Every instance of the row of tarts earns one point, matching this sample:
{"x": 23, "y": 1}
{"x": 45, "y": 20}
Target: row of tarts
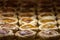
{"x": 28, "y": 26}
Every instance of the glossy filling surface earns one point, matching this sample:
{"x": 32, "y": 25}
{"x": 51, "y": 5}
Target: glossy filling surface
{"x": 28, "y": 26}
{"x": 48, "y": 26}
{"x": 7, "y": 20}
{"x": 46, "y": 20}
{"x": 28, "y": 20}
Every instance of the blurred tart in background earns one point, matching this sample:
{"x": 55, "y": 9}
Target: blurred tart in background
{"x": 9, "y": 14}
{"x": 45, "y": 14}
{"x": 58, "y": 21}
{"x": 26, "y": 14}
{"x": 58, "y": 15}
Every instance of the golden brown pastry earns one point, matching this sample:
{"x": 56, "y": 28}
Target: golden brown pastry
{"x": 28, "y": 27}
{"x": 8, "y": 20}
{"x": 45, "y": 14}
{"x": 47, "y": 20}
{"x": 48, "y": 26}
{"x": 27, "y": 20}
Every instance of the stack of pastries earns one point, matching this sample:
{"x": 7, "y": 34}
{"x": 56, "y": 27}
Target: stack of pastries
{"x": 23, "y": 25}
{"x": 8, "y": 23}
{"x": 8, "y": 16}
{"x": 27, "y": 21}
{"x": 49, "y": 35}
{"x": 46, "y": 17}
{"x": 47, "y": 26}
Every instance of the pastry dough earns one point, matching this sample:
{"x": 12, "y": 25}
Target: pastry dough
{"x": 48, "y": 26}
{"x": 27, "y": 20}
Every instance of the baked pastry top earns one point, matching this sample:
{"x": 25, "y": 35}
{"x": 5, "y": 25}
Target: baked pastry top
{"x": 28, "y": 26}
{"x": 9, "y": 26}
{"x": 25, "y": 33}
{"x": 48, "y": 33}
{"x": 48, "y": 26}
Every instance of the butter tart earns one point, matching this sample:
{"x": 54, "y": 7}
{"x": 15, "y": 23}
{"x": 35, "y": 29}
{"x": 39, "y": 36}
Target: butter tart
{"x": 45, "y": 14}
{"x": 48, "y": 26}
{"x": 9, "y": 26}
{"x": 43, "y": 21}
{"x": 27, "y": 20}
{"x": 25, "y": 35}
{"x": 28, "y": 27}
{"x": 8, "y": 20}
{"x": 48, "y": 35}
